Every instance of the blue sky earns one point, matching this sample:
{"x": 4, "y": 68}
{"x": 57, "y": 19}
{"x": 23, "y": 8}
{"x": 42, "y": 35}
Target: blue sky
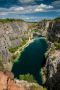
{"x": 30, "y": 10}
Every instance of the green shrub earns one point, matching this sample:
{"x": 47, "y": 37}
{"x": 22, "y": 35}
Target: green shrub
{"x": 57, "y": 45}
{"x": 14, "y": 57}
{"x": 12, "y": 50}
{"x": 57, "y": 19}
{"x": 27, "y": 77}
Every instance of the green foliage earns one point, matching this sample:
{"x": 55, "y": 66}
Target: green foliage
{"x": 57, "y": 45}
{"x": 57, "y": 19}
{"x": 27, "y": 77}
{"x": 44, "y": 20}
{"x": 12, "y": 50}
{"x": 6, "y": 20}
{"x": 34, "y": 30}
{"x": 14, "y": 57}
{"x": 9, "y": 20}
{"x": 23, "y": 42}
{"x": 44, "y": 88}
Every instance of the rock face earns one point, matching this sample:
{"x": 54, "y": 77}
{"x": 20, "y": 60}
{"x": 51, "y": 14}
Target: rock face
{"x": 54, "y": 31}
{"x": 52, "y": 62}
{"x": 7, "y": 82}
{"x": 41, "y": 28}
{"x": 53, "y": 69}
{"x": 12, "y": 34}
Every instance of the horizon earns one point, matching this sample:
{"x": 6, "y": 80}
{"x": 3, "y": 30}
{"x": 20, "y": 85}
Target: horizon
{"x": 29, "y": 20}
{"x": 29, "y": 10}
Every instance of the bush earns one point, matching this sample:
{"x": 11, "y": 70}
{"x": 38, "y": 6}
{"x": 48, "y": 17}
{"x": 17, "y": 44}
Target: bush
{"x": 57, "y": 19}
{"x": 27, "y": 77}
{"x": 57, "y": 45}
{"x": 12, "y": 50}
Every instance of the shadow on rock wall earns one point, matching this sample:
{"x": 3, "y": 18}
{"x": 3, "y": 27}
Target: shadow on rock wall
{"x": 53, "y": 83}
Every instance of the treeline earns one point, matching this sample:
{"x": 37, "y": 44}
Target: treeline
{"x": 9, "y": 20}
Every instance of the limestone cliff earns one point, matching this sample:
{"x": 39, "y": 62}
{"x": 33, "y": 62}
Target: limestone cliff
{"x": 52, "y": 67}
{"x": 53, "y": 71}
{"x": 12, "y": 35}
{"x": 40, "y": 28}
{"x": 54, "y": 30}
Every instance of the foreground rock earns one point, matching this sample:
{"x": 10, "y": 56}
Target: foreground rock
{"x": 7, "y": 82}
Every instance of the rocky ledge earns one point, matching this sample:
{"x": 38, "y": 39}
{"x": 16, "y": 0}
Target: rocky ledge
{"x": 7, "y": 82}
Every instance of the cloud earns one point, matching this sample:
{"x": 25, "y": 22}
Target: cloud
{"x": 39, "y": 9}
{"x": 18, "y": 11}
{"x": 43, "y": 7}
{"x": 26, "y": 9}
{"x": 17, "y": 8}
{"x": 26, "y": 1}
{"x": 56, "y": 4}
{"x": 3, "y": 13}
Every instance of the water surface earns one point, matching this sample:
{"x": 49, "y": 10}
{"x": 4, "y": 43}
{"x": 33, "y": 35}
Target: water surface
{"x": 32, "y": 59}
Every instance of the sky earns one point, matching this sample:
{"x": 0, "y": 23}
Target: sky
{"x": 30, "y": 10}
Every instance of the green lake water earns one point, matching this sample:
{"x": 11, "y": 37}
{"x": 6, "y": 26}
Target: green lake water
{"x": 32, "y": 59}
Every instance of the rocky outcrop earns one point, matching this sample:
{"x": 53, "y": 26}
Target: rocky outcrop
{"x": 53, "y": 71}
{"x": 7, "y": 82}
{"x": 54, "y": 31}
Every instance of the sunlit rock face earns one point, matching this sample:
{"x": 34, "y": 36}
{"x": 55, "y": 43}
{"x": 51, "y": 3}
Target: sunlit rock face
{"x": 11, "y": 35}
{"x": 32, "y": 59}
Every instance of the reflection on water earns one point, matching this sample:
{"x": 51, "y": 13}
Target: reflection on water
{"x": 32, "y": 59}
